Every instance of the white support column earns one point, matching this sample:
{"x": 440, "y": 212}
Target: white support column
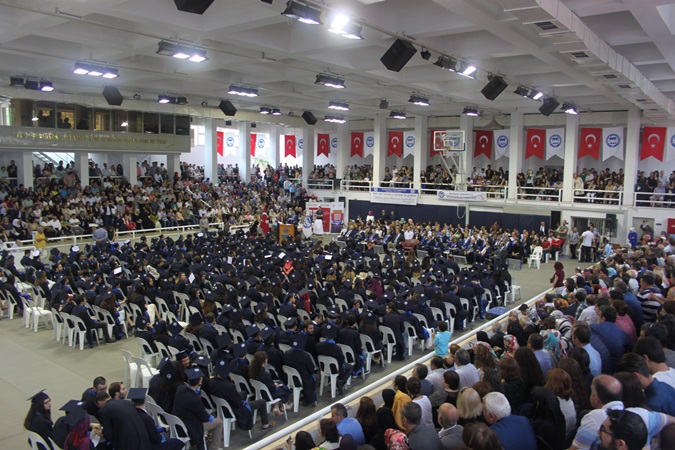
{"x": 274, "y": 145}
{"x": 82, "y": 167}
{"x": 211, "y": 150}
{"x": 308, "y": 149}
{"x": 244, "y": 155}
{"x": 632, "y": 156}
{"x": 25, "y": 169}
{"x": 344, "y": 145}
{"x": 379, "y": 149}
{"x": 570, "y": 160}
{"x": 130, "y": 165}
{"x": 420, "y": 153}
{"x": 173, "y": 166}
{"x": 515, "y": 152}
{"x": 466, "y": 125}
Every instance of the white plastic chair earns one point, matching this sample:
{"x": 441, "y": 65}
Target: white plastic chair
{"x": 194, "y": 341}
{"x": 177, "y": 428}
{"x": 163, "y": 308}
{"x": 237, "y": 337}
{"x": 535, "y": 257}
{"x": 58, "y": 323}
{"x": 146, "y": 351}
{"x": 226, "y": 414}
{"x": 207, "y": 402}
{"x": 207, "y": 347}
{"x": 154, "y": 410}
{"x": 342, "y": 304}
{"x": 242, "y": 385}
{"x": 369, "y": 348}
{"x": 36, "y": 441}
{"x": 294, "y": 384}
{"x": 328, "y": 364}
{"x": 163, "y": 351}
{"x": 79, "y": 331}
{"x": 144, "y": 372}
{"x": 389, "y": 340}
{"x": 130, "y": 369}
{"x": 183, "y": 300}
{"x": 263, "y": 393}
{"x": 412, "y": 337}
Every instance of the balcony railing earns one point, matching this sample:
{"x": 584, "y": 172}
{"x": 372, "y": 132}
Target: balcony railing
{"x": 545, "y": 194}
{"x": 606, "y": 197}
{"x": 654, "y": 200}
{"x": 355, "y": 185}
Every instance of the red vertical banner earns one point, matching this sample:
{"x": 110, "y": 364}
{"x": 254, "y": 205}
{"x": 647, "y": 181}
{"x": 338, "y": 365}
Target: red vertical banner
{"x": 254, "y": 143}
{"x": 483, "y": 143}
{"x": 289, "y": 146}
{"x": 323, "y": 147}
{"x": 535, "y": 145}
{"x": 220, "y": 137}
{"x": 589, "y": 142}
{"x": 395, "y": 146}
{"x": 653, "y": 142}
{"x": 357, "y": 144}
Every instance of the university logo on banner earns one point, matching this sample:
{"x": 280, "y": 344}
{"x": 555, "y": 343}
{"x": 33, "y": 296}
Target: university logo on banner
{"x": 409, "y": 147}
{"x": 395, "y": 146}
{"x": 323, "y": 147}
{"x": 300, "y": 143}
{"x": 261, "y": 143}
{"x": 289, "y": 146}
{"x": 253, "y": 139}
{"x": 370, "y": 145}
{"x": 555, "y": 143}
{"x": 483, "y": 143}
{"x": 653, "y": 143}
{"x": 219, "y": 142}
{"x": 230, "y": 144}
{"x": 535, "y": 143}
{"x": 612, "y": 143}
{"x": 502, "y": 143}
{"x": 671, "y": 144}
{"x": 589, "y": 142}
{"x": 333, "y": 142}
{"x": 356, "y": 149}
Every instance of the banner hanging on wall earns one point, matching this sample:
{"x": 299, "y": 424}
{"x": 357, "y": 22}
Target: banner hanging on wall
{"x": 394, "y": 196}
{"x": 462, "y": 196}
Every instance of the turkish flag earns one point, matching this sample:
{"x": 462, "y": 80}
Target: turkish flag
{"x": 324, "y": 144}
{"x": 220, "y": 137}
{"x": 254, "y": 140}
{"x": 357, "y": 144}
{"x": 653, "y": 142}
{"x": 483, "y": 144}
{"x": 395, "y": 146}
{"x": 589, "y": 143}
{"x": 536, "y": 143}
{"x": 289, "y": 147}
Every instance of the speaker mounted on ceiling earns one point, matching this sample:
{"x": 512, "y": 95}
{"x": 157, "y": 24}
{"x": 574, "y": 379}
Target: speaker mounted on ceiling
{"x": 398, "y": 55}
{"x": 309, "y": 118}
{"x": 193, "y": 6}
{"x": 549, "y": 105}
{"x": 227, "y": 108}
{"x": 495, "y": 86}
{"x": 113, "y": 96}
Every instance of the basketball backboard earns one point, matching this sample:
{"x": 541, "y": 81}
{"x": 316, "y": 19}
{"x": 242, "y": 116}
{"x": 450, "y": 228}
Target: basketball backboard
{"x": 449, "y": 141}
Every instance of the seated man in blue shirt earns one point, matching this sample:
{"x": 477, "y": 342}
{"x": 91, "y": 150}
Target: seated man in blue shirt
{"x": 346, "y": 424}
{"x": 514, "y": 432}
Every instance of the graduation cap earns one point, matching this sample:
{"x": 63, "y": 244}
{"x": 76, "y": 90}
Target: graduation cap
{"x": 196, "y": 319}
{"x": 291, "y": 322}
{"x": 137, "y": 395}
{"x": 371, "y": 304}
{"x": 210, "y": 296}
{"x": 333, "y": 313}
{"x": 38, "y": 398}
{"x": 407, "y": 306}
{"x": 75, "y": 416}
{"x": 303, "y": 292}
{"x": 329, "y": 331}
{"x": 141, "y": 322}
{"x": 370, "y": 318}
{"x": 175, "y": 328}
{"x": 75, "y": 248}
{"x": 222, "y": 369}
{"x": 245, "y": 301}
{"x": 260, "y": 308}
{"x": 253, "y": 281}
{"x": 223, "y": 340}
{"x": 181, "y": 355}
{"x": 226, "y": 309}
{"x": 202, "y": 361}
{"x": 266, "y": 332}
{"x": 71, "y": 405}
{"x": 251, "y": 330}
{"x": 193, "y": 375}
{"x": 239, "y": 350}
{"x": 299, "y": 341}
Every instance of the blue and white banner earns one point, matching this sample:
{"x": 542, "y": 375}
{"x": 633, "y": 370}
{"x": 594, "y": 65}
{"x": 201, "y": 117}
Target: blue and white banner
{"x": 462, "y": 196}
{"x": 612, "y": 143}
{"x": 368, "y": 149}
{"x": 394, "y": 196}
{"x": 502, "y": 143}
{"x": 408, "y": 143}
{"x": 230, "y": 144}
{"x": 555, "y": 143}
{"x": 670, "y": 144}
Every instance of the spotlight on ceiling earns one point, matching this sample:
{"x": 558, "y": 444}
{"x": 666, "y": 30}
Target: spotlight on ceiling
{"x": 32, "y": 84}
{"x": 95, "y": 71}
{"x": 81, "y": 68}
{"x": 570, "y": 108}
{"x": 447, "y": 63}
{"x": 425, "y": 54}
{"x": 397, "y": 115}
{"x": 536, "y": 95}
{"x": 418, "y": 99}
{"x": 384, "y": 104}
{"x": 340, "y": 106}
{"x": 180, "y": 51}
{"x": 265, "y": 110}
{"x": 342, "y": 25}
{"x": 302, "y": 13}
{"x": 495, "y": 86}
{"x": 522, "y": 91}
{"x": 330, "y": 80}
{"x": 335, "y": 119}
{"x": 276, "y": 112}
{"x": 244, "y": 91}
{"x": 467, "y": 70}
{"x": 46, "y": 86}
{"x": 181, "y": 101}
{"x": 110, "y": 73}
{"x": 473, "y": 112}
{"x": 16, "y": 81}
{"x": 549, "y": 105}
{"x": 163, "y": 99}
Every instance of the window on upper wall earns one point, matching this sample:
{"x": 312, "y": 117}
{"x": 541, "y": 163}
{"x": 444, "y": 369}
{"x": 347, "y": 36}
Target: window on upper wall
{"x": 102, "y": 120}
{"x": 45, "y": 112}
{"x": 135, "y": 122}
{"x": 166, "y": 121}
{"x": 83, "y": 117}
{"x": 182, "y": 125}
{"x": 22, "y": 113}
{"x": 151, "y": 123}
{"x": 65, "y": 116}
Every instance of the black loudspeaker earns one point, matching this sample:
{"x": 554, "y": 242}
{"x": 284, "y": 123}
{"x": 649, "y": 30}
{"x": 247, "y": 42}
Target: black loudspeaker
{"x": 550, "y": 105}
{"x": 193, "y": 6}
{"x": 227, "y": 108}
{"x": 309, "y": 118}
{"x": 112, "y": 96}
{"x": 398, "y": 55}
{"x": 610, "y": 222}
{"x": 495, "y": 86}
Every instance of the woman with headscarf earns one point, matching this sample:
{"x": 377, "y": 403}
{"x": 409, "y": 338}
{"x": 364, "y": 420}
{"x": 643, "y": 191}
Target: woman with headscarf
{"x": 385, "y": 421}
{"x": 510, "y": 345}
{"x": 552, "y": 343}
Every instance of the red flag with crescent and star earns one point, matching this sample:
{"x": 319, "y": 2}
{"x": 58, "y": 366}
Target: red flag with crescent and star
{"x": 535, "y": 145}
{"x": 289, "y": 147}
{"x": 589, "y": 142}
{"x": 483, "y": 144}
{"x": 254, "y": 141}
{"x": 395, "y": 146}
{"x": 220, "y": 137}
{"x": 653, "y": 142}
{"x": 324, "y": 144}
{"x": 357, "y": 144}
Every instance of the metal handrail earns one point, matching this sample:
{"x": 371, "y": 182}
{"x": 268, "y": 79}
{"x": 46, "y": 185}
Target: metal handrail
{"x": 598, "y": 196}
{"x": 534, "y": 193}
{"x": 640, "y": 198}
{"x": 321, "y": 183}
{"x": 355, "y": 185}
{"x": 395, "y": 184}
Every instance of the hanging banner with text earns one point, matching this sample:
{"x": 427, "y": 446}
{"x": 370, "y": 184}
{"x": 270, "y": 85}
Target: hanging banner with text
{"x": 394, "y": 196}
{"x": 462, "y": 196}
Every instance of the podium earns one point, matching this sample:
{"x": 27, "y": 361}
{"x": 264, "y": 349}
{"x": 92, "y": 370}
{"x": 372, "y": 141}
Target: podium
{"x": 286, "y": 233}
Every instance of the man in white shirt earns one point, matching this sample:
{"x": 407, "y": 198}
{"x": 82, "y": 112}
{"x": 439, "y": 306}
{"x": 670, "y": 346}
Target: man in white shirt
{"x": 586, "y": 245}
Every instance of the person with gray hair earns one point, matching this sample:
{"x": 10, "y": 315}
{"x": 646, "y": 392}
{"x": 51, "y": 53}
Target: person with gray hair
{"x": 468, "y": 374}
{"x": 346, "y": 424}
{"x": 514, "y": 432}
{"x": 420, "y": 437}
{"x": 451, "y": 433}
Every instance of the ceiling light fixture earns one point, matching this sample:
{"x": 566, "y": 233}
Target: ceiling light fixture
{"x": 181, "y": 51}
{"x": 32, "y": 84}
{"x": 425, "y": 54}
{"x": 522, "y": 91}
{"x": 110, "y": 73}
{"x": 46, "y": 86}
{"x": 276, "y": 112}
{"x": 397, "y": 115}
{"x": 81, "y": 68}
{"x": 330, "y": 80}
{"x": 335, "y": 119}
{"x": 447, "y": 63}
{"x": 35, "y": 119}
{"x": 124, "y": 124}
{"x": 467, "y": 70}
{"x": 205, "y": 103}
{"x": 343, "y": 26}
{"x": 181, "y": 101}
{"x": 265, "y": 110}
{"x": 473, "y": 112}
{"x": 338, "y": 23}
{"x": 549, "y": 105}
{"x": 536, "y": 95}
{"x": 137, "y": 96}
{"x": 418, "y": 99}
{"x": 17, "y": 81}
{"x": 570, "y": 108}
{"x": 244, "y": 91}
{"x": 339, "y": 105}
{"x": 95, "y": 71}
{"x": 163, "y": 99}
{"x": 302, "y": 13}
